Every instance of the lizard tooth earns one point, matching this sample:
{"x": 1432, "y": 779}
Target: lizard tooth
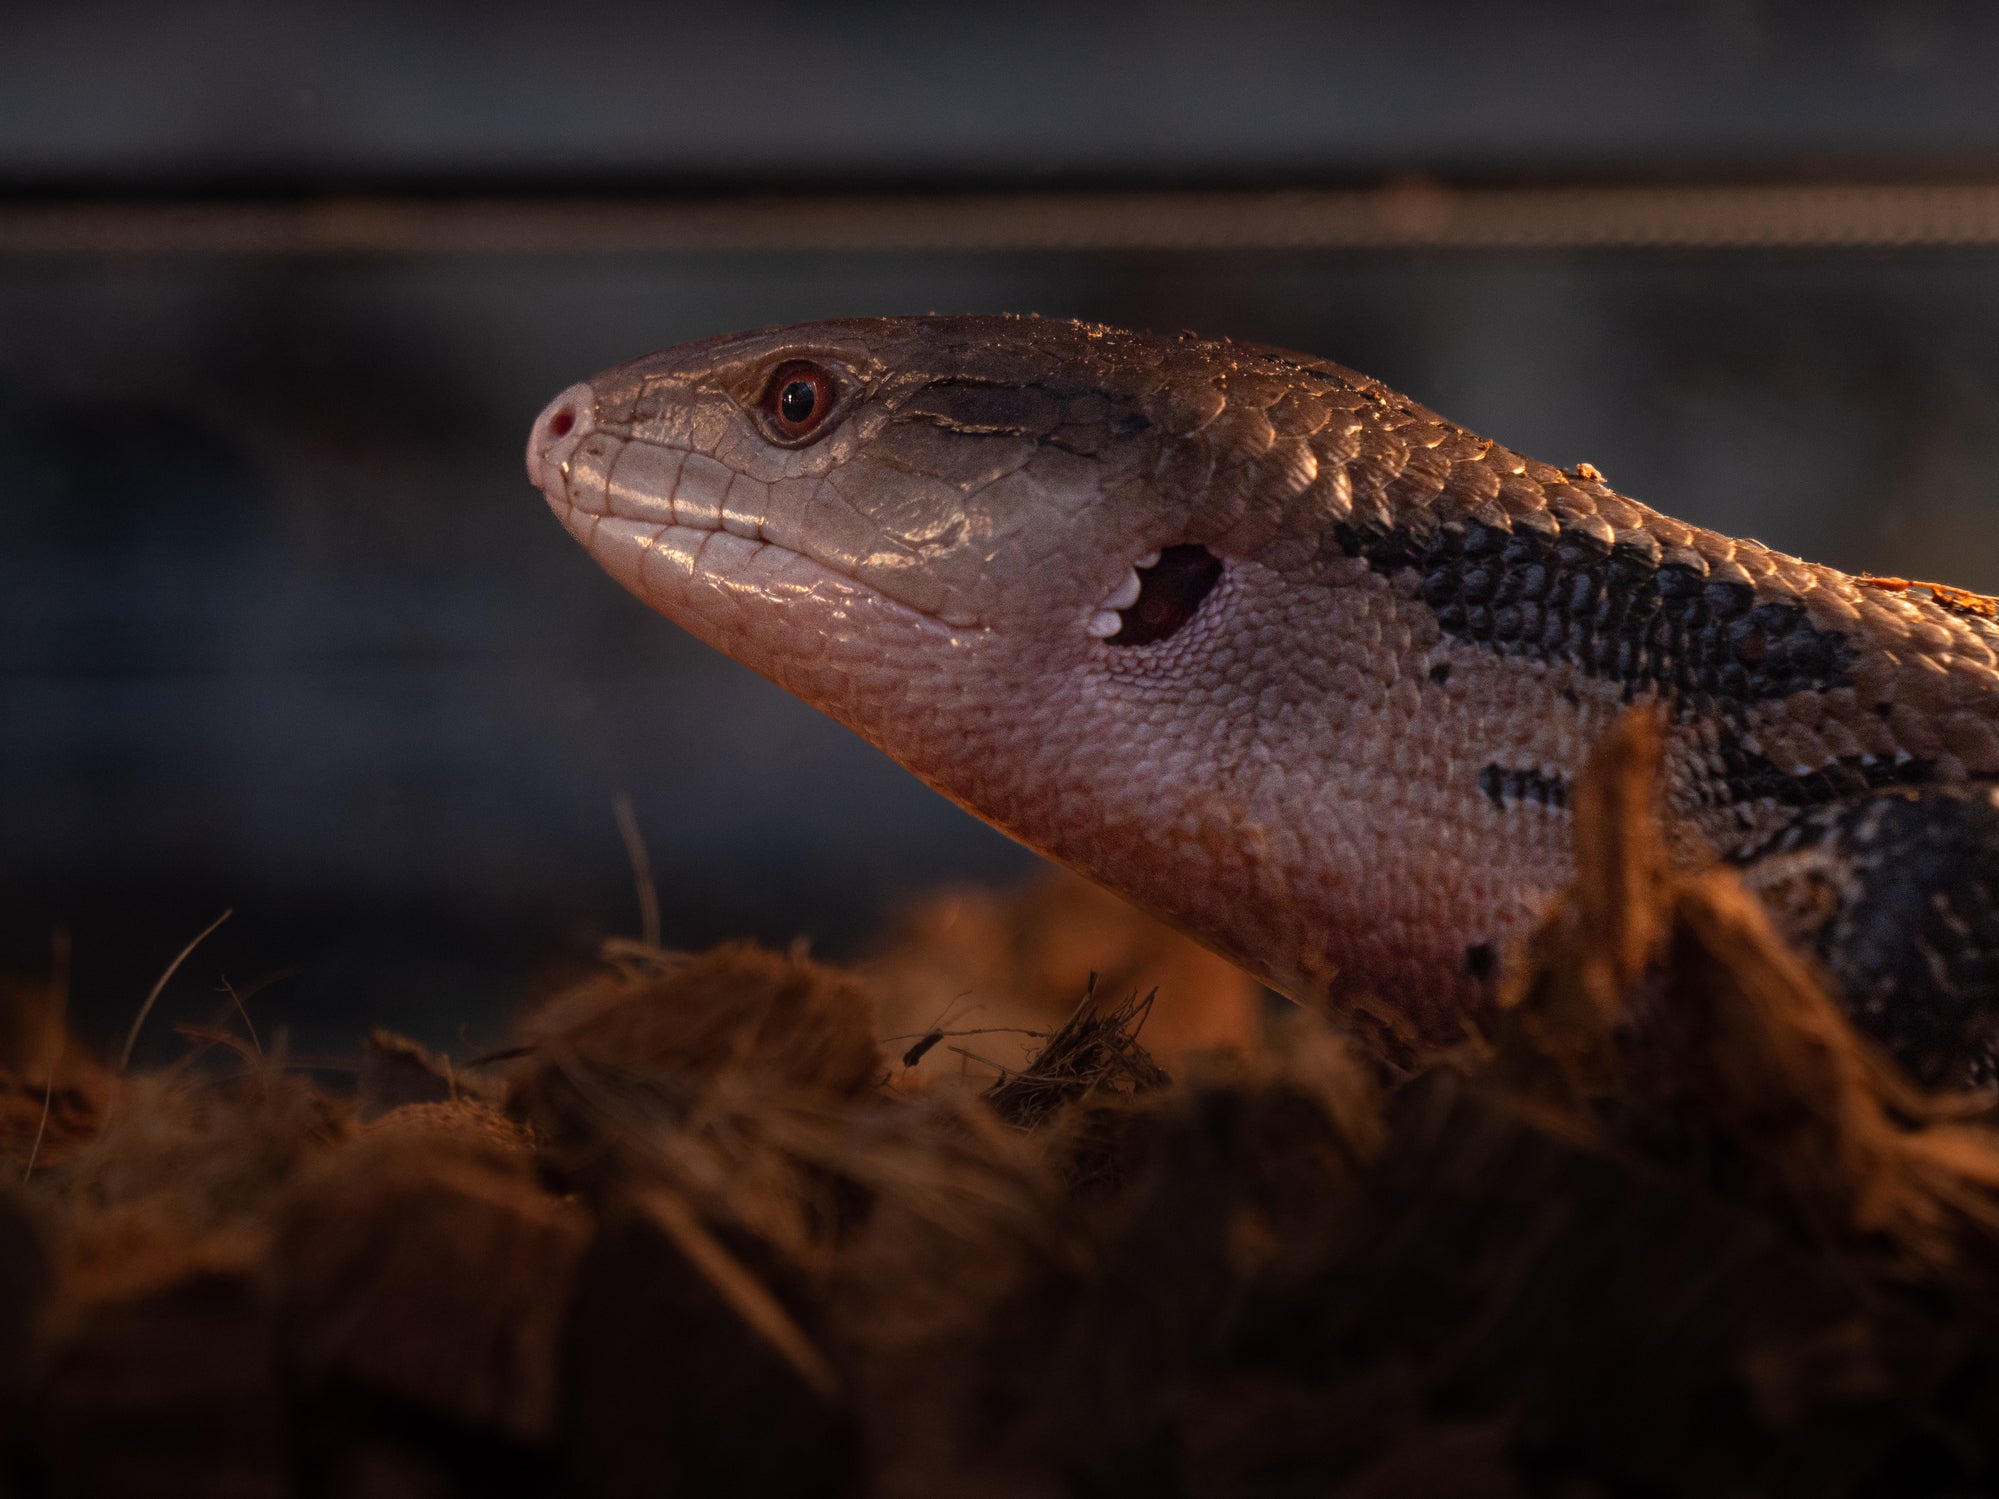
{"x": 1150, "y": 559}
{"x": 1104, "y": 624}
{"x": 1125, "y": 594}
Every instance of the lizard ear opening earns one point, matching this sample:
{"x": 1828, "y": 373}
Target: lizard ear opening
{"x": 1170, "y": 592}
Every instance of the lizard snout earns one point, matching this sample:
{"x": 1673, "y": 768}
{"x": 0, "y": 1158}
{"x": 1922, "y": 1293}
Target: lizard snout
{"x": 563, "y": 423}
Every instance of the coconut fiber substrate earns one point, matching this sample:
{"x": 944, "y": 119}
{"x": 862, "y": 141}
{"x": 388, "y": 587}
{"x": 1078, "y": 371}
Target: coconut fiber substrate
{"x": 1665, "y": 1225}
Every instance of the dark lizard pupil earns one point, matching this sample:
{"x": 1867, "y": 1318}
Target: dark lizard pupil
{"x": 796, "y": 400}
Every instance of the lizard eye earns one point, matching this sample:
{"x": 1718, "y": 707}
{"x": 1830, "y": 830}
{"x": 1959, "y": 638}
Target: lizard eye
{"x": 798, "y": 399}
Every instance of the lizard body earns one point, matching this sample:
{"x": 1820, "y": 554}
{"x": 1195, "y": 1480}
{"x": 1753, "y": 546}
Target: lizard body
{"x": 1292, "y": 662}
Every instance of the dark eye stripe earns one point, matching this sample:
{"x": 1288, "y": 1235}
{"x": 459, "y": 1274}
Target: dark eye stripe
{"x": 1169, "y": 594}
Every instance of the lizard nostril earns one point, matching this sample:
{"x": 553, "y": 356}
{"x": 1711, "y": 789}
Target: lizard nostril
{"x": 563, "y": 423}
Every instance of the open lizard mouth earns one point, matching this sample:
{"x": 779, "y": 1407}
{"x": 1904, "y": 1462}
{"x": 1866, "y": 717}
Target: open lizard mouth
{"x": 1162, "y": 591}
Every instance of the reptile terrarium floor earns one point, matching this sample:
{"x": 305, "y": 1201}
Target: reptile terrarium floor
{"x": 1666, "y": 1227}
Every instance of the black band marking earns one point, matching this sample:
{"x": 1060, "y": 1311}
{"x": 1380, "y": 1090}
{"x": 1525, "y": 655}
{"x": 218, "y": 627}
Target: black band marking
{"x": 1913, "y": 939}
{"x": 1506, "y": 784}
{"x": 1752, "y": 777}
{"x": 1615, "y": 612}
{"x": 1480, "y": 961}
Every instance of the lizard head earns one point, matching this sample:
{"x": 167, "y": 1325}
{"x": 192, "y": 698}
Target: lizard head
{"x": 1026, "y": 558}
{"x": 985, "y": 476}
{"x": 847, "y": 503}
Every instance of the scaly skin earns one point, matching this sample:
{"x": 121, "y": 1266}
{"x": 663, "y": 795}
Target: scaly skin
{"x": 1347, "y": 769}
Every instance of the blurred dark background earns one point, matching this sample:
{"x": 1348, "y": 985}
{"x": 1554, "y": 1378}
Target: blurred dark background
{"x": 283, "y": 628}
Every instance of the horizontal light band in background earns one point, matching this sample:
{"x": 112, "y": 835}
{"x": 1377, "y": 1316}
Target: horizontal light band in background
{"x": 1409, "y": 216}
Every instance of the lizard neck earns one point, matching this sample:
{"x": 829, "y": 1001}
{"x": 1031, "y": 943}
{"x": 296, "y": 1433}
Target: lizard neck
{"x": 1328, "y": 789}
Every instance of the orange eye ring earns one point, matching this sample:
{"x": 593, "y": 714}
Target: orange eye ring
{"x": 798, "y": 399}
